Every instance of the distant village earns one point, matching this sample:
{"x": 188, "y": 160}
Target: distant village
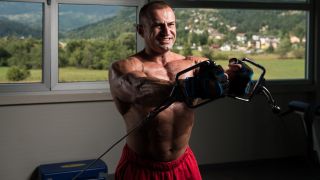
{"x": 253, "y": 44}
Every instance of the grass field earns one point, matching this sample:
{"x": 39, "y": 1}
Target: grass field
{"x": 276, "y": 69}
{"x": 35, "y": 76}
{"x": 69, "y": 74}
{"x": 76, "y": 75}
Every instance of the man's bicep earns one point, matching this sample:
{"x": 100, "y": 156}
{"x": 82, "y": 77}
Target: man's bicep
{"x": 122, "y": 75}
{"x": 123, "y": 67}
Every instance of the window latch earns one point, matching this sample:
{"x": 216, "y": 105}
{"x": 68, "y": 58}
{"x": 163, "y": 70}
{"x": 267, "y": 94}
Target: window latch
{"x": 48, "y": 2}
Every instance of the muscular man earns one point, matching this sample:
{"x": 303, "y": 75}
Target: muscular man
{"x": 160, "y": 149}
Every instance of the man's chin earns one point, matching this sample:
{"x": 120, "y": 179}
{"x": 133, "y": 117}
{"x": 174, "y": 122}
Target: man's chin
{"x": 166, "y": 47}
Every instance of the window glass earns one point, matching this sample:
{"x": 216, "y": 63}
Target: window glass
{"x": 21, "y": 42}
{"x": 275, "y": 39}
{"x": 91, "y": 37}
{"x": 260, "y": 1}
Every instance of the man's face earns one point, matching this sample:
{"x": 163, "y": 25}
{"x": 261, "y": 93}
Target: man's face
{"x": 159, "y": 30}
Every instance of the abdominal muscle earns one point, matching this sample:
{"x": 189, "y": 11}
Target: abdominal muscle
{"x": 164, "y": 138}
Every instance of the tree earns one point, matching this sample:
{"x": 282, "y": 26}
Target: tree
{"x": 284, "y": 47}
{"x": 270, "y": 49}
{"x": 62, "y": 57}
{"x": 207, "y": 52}
{"x": 76, "y": 57}
{"x": 4, "y": 56}
{"x": 17, "y": 74}
{"x": 186, "y": 50}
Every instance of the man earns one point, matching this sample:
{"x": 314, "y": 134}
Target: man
{"x": 159, "y": 149}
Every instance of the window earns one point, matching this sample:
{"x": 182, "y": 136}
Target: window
{"x": 91, "y": 37}
{"x": 64, "y": 44}
{"x": 276, "y": 34}
{"x": 261, "y": 1}
{"x": 273, "y": 38}
{"x": 69, "y": 44}
{"x": 21, "y": 42}
{"x": 272, "y": 33}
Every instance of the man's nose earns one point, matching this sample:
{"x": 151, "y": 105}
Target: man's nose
{"x": 165, "y": 29}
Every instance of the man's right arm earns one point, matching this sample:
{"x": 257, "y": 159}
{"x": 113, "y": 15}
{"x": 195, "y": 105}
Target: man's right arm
{"x": 129, "y": 84}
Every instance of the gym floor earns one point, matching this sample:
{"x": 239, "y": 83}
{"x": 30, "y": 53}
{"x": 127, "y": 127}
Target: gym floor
{"x": 279, "y": 169}
{"x": 294, "y": 168}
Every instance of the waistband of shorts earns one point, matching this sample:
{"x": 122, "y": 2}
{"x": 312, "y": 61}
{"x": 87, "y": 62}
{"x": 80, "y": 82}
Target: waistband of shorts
{"x": 156, "y": 165}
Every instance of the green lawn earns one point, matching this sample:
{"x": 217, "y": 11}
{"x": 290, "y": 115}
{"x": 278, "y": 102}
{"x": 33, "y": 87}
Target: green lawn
{"x": 69, "y": 74}
{"x": 35, "y": 76}
{"x": 75, "y": 75}
{"x": 276, "y": 69}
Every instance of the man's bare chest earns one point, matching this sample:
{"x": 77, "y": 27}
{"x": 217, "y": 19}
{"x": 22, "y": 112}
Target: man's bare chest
{"x": 167, "y": 71}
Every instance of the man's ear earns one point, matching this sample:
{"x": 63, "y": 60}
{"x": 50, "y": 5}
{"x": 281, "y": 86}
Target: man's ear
{"x": 140, "y": 29}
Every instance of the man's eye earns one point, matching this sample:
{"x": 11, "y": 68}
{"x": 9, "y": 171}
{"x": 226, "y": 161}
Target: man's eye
{"x": 157, "y": 26}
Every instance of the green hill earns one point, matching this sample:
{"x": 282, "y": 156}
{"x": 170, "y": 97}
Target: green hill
{"x": 190, "y": 22}
{"x": 108, "y": 28}
{"x": 11, "y": 28}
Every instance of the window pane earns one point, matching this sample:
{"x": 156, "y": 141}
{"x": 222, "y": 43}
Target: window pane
{"x": 261, "y": 1}
{"x": 91, "y": 37}
{"x": 274, "y": 38}
{"x": 20, "y": 42}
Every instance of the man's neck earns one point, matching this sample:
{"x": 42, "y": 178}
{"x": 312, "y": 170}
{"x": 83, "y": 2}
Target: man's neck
{"x": 160, "y": 58}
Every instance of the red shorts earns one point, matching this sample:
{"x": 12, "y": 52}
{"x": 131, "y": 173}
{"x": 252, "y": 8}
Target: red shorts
{"x": 133, "y": 167}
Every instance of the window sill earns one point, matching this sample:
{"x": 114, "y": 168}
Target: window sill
{"x": 54, "y": 97}
{"x": 98, "y": 95}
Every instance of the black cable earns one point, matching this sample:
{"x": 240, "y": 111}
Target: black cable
{"x": 111, "y": 147}
{"x": 152, "y": 114}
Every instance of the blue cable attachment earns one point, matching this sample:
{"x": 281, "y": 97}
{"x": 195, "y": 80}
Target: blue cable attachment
{"x": 205, "y": 89}
{"x": 189, "y": 87}
{"x": 219, "y": 88}
{"x": 196, "y": 87}
{"x": 248, "y": 73}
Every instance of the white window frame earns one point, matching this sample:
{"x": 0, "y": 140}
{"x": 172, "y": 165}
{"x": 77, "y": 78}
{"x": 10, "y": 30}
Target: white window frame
{"x": 50, "y": 90}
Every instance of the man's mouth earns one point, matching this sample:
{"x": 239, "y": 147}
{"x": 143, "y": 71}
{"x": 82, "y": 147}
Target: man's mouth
{"x": 165, "y": 40}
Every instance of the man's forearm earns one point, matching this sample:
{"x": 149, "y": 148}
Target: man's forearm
{"x": 142, "y": 90}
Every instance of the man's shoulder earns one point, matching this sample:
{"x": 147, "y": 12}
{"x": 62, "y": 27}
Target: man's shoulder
{"x": 132, "y": 63}
{"x": 129, "y": 60}
{"x": 196, "y": 59}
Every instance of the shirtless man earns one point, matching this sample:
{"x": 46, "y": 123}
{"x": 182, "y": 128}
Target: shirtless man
{"x": 160, "y": 149}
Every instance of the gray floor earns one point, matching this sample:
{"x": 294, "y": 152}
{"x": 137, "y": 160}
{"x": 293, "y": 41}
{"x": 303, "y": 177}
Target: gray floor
{"x": 281, "y": 169}
{"x": 275, "y": 169}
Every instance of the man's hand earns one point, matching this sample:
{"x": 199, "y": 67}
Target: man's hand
{"x": 209, "y": 82}
{"x": 240, "y": 76}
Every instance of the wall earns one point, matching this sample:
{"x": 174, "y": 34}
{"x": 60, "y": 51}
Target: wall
{"x": 225, "y": 131}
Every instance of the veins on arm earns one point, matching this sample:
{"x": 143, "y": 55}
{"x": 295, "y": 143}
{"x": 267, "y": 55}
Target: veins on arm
{"x": 131, "y": 85}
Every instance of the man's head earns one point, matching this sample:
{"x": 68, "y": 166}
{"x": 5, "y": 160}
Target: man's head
{"x": 157, "y": 26}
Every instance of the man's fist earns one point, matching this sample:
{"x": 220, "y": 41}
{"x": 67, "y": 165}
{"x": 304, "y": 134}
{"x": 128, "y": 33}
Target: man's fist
{"x": 240, "y": 76}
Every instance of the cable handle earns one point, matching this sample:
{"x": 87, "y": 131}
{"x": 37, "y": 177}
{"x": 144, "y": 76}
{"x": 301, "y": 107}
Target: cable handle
{"x": 258, "y": 87}
{"x": 259, "y": 83}
{"x": 190, "y": 102}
